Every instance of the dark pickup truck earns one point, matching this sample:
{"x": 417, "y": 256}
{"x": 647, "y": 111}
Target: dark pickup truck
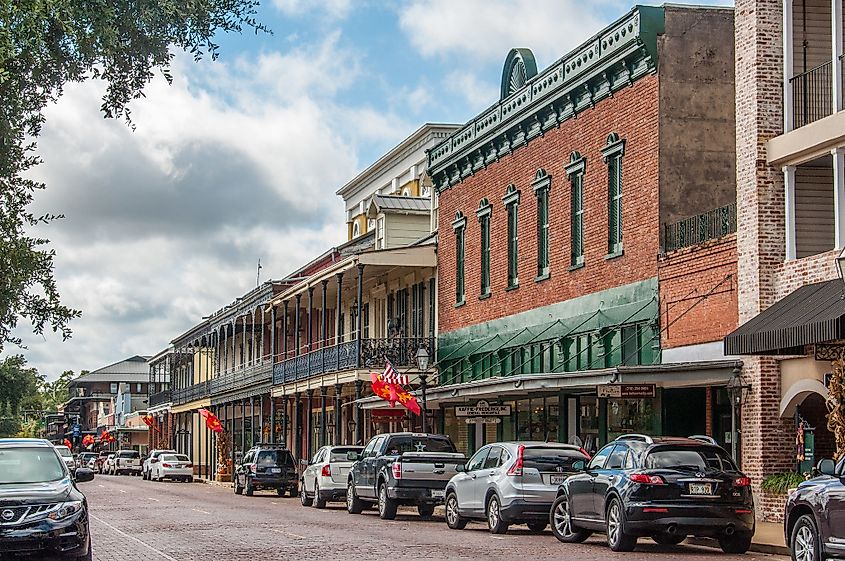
{"x": 402, "y": 469}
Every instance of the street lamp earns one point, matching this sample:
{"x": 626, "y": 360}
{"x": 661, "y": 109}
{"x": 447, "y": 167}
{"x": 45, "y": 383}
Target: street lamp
{"x": 840, "y": 267}
{"x": 422, "y": 364}
{"x": 351, "y": 425}
{"x": 737, "y": 390}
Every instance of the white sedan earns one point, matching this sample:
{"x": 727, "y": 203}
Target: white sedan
{"x": 172, "y": 466}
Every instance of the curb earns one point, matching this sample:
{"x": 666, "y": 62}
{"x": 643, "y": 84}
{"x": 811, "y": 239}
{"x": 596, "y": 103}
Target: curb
{"x": 755, "y": 547}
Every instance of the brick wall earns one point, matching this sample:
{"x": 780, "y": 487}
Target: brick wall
{"x": 632, "y": 113}
{"x": 698, "y": 293}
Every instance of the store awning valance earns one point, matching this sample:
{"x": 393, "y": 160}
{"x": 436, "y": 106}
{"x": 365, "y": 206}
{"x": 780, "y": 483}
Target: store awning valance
{"x": 814, "y": 313}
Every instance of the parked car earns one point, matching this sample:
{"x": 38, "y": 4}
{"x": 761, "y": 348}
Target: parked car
{"x": 107, "y": 466}
{"x": 511, "y": 483}
{"x": 151, "y": 459}
{"x": 84, "y": 459}
{"x": 814, "y": 523}
{"x": 41, "y": 509}
{"x": 665, "y": 488}
{"x": 325, "y": 477}
{"x": 67, "y": 457}
{"x": 127, "y": 462}
{"x": 100, "y": 462}
{"x": 402, "y": 469}
{"x": 176, "y": 467}
{"x": 266, "y": 466}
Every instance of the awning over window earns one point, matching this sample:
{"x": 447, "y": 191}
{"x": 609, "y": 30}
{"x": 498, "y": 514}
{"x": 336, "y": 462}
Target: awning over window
{"x": 814, "y": 313}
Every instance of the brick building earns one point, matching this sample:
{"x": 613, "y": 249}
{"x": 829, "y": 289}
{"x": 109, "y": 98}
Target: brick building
{"x": 587, "y": 264}
{"x": 790, "y": 195}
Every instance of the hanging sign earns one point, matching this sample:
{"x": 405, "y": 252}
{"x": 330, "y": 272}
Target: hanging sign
{"x": 626, "y": 390}
{"x": 483, "y": 409}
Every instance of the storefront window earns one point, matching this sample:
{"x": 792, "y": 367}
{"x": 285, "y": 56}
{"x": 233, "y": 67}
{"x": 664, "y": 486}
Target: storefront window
{"x": 633, "y": 416}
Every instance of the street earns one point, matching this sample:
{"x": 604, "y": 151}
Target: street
{"x": 135, "y": 519}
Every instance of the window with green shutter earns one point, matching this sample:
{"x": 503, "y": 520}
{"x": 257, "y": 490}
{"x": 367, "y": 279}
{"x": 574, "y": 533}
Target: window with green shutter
{"x": 511, "y": 200}
{"x": 541, "y": 184}
{"x": 612, "y": 154}
{"x": 575, "y": 171}
{"x": 459, "y": 226}
{"x": 483, "y": 213}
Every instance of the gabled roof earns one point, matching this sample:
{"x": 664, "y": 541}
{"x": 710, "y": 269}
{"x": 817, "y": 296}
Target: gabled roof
{"x": 132, "y": 369}
{"x": 400, "y": 204}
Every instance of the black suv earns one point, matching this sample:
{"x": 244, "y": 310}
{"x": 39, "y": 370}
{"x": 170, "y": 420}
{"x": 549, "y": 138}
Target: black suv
{"x": 266, "y": 466}
{"x": 41, "y": 510}
{"x": 665, "y": 488}
{"x": 815, "y": 515}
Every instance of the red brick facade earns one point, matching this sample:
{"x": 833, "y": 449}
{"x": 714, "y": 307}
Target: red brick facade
{"x": 632, "y": 113}
{"x": 698, "y": 293}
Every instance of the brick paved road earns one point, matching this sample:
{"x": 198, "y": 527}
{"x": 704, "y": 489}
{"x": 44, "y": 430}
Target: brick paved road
{"x": 134, "y": 519}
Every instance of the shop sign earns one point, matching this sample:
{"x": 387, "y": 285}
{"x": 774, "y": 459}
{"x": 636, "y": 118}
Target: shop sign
{"x": 490, "y": 420}
{"x": 626, "y": 390}
{"x": 483, "y": 409}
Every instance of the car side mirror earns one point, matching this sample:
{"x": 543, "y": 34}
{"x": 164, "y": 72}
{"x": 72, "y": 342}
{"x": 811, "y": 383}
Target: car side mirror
{"x": 461, "y": 468}
{"x": 352, "y": 456}
{"x": 83, "y": 475}
{"x": 579, "y": 465}
{"x": 826, "y": 467}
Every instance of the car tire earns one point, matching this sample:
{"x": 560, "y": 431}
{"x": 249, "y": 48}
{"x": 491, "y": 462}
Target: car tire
{"x": 145, "y": 476}
{"x": 426, "y": 511}
{"x": 238, "y": 489}
{"x": 318, "y": 502}
{"x": 738, "y": 543}
{"x": 88, "y": 556}
{"x": 294, "y": 492}
{"x": 354, "y": 505}
{"x": 668, "y": 539}
{"x": 537, "y": 526}
{"x": 189, "y": 480}
{"x": 454, "y": 520}
{"x": 494, "y": 516}
{"x": 804, "y": 540}
{"x": 614, "y": 518}
{"x": 561, "y": 523}
{"x": 303, "y": 497}
{"x": 386, "y": 506}
{"x": 280, "y": 492}
{"x": 249, "y": 490}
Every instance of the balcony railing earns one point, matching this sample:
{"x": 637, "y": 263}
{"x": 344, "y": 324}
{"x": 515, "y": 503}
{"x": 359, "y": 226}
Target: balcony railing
{"x": 245, "y": 377}
{"x": 694, "y": 230}
{"x": 400, "y": 351}
{"x": 812, "y": 94}
{"x": 160, "y": 398}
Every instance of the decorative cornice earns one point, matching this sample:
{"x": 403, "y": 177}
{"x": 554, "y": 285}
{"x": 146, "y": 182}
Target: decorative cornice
{"x": 511, "y": 195}
{"x": 460, "y": 221}
{"x": 619, "y": 55}
{"x": 577, "y": 164}
{"x": 615, "y": 146}
{"x": 542, "y": 180}
{"x": 484, "y": 208}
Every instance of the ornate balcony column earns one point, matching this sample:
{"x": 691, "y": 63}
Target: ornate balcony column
{"x": 323, "y": 430}
{"x": 359, "y": 413}
{"x": 310, "y": 318}
{"x": 243, "y": 425}
{"x": 272, "y": 419}
{"x": 338, "y": 417}
{"x": 285, "y": 331}
{"x": 338, "y": 327}
{"x": 274, "y": 346}
{"x": 297, "y": 419}
{"x": 359, "y": 305}
{"x": 296, "y": 326}
{"x": 323, "y": 326}
{"x": 309, "y": 421}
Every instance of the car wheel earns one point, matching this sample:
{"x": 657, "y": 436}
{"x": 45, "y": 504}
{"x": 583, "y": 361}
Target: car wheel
{"x": 386, "y": 506}
{"x": 804, "y": 541}
{"x": 561, "y": 522}
{"x": 238, "y": 488}
{"x": 537, "y": 526}
{"x": 354, "y": 505}
{"x": 294, "y": 492}
{"x": 303, "y": 497}
{"x": 145, "y": 476}
{"x": 494, "y": 516}
{"x": 250, "y": 490}
{"x": 280, "y": 491}
{"x": 425, "y": 510}
{"x": 617, "y": 539}
{"x": 318, "y": 502}
{"x": 668, "y": 539}
{"x": 740, "y": 543}
{"x": 88, "y": 556}
{"x": 453, "y": 517}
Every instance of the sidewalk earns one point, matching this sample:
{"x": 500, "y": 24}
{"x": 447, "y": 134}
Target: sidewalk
{"x": 768, "y": 538}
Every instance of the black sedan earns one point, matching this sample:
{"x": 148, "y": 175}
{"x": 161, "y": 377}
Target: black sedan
{"x": 815, "y": 515}
{"x": 41, "y": 510}
{"x": 663, "y": 488}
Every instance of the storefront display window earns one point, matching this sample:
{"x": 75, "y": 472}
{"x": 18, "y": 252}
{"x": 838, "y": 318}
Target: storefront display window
{"x": 633, "y": 416}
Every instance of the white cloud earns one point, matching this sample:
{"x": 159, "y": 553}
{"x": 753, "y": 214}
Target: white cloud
{"x": 336, "y": 9}
{"x": 477, "y": 93}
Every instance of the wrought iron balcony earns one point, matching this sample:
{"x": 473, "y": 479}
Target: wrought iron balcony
{"x": 239, "y": 379}
{"x": 812, "y": 94}
{"x": 694, "y": 230}
{"x": 160, "y": 398}
{"x": 400, "y": 351}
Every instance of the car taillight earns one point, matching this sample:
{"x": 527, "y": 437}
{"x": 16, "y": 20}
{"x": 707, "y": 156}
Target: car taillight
{"x": 189, "y": 465}
{"x": 647, "y": 479}
{"x": 166, "y": 465}
{"x": 516, "y": 468}
{"x": 742, "y": 482}
{"x": 397, "y": 470}
{"x": 253, "y": 468}
{"x": 327, "y": 470}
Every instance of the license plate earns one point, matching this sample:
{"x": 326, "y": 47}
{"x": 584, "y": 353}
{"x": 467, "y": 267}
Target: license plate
{"x": 700, "y": 489}
{"x": 557, "y": 479}
{"x": 275, "y": 470}
{"x": 438, "y": 494}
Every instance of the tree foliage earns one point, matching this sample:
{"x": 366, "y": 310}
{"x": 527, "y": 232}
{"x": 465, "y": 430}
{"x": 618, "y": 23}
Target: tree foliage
{"x": 19, "y": 390}
{"x": 45, "y": 45}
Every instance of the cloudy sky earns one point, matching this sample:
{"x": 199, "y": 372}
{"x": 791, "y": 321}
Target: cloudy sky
{"x": 239, "y": 159}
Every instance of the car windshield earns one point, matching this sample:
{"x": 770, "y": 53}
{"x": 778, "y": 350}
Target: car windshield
{"x": 64, "y": 451}
{"x": 402, "y": 444}
{"x": 274, "y": 458}
{"x": 30, "y": 465}
{"x": 130, "y": 454}
{"x": 340, "y": 454}
{"x": 551, "y": 459}
{"x": 692, "y": 459}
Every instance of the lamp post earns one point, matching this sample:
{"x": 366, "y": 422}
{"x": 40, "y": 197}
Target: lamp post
{"x": 737, "y": 387}
{"x": 351, "y": 425}
{"x": 422, "y": 364}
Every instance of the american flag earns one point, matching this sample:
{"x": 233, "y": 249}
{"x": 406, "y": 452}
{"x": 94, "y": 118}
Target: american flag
{"x": 391, "y": 376}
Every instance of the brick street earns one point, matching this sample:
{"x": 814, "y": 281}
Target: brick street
{"x": 134, "y": 519}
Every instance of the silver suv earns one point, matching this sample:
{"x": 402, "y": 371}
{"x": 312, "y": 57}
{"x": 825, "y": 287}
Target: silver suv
{"x": 511, "y": 483}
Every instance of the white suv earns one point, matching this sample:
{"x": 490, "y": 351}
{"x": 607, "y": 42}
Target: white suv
{"x": 127, "y": 461}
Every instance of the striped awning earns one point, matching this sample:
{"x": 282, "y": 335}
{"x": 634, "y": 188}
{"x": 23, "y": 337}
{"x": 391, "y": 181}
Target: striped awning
{"x": 814, "y": 313}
